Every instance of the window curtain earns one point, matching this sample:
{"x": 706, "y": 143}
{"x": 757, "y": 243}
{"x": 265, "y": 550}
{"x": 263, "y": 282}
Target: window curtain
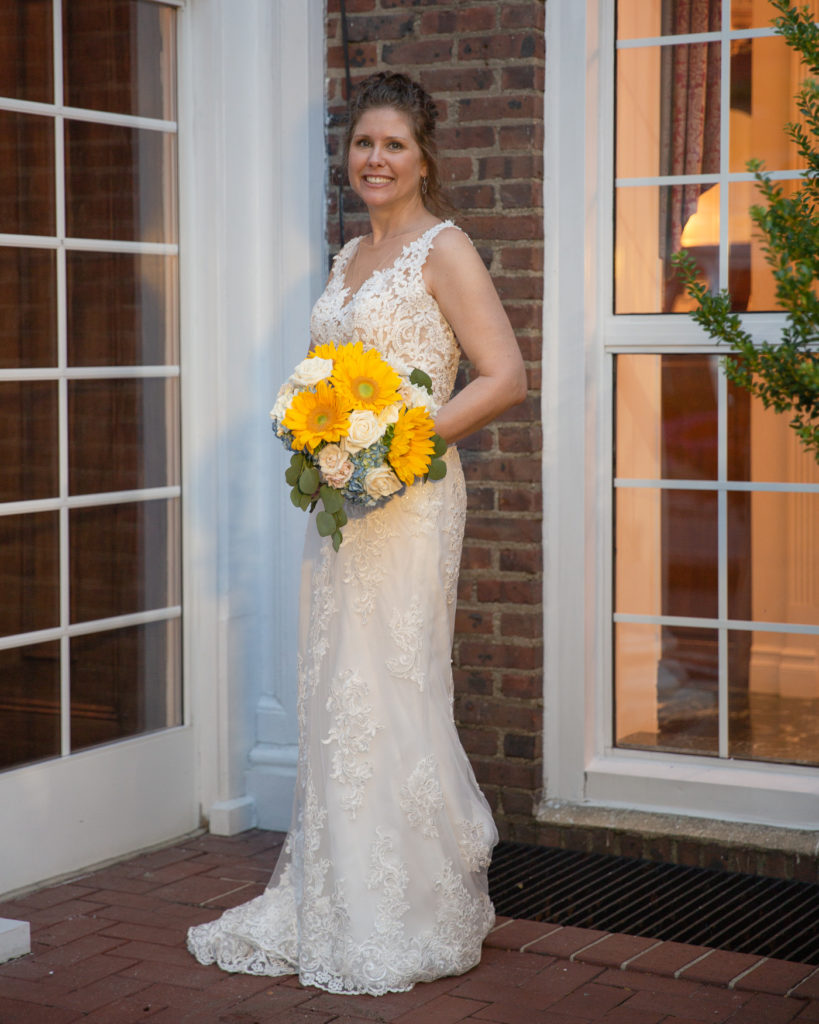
{"x": 690, "y": 105}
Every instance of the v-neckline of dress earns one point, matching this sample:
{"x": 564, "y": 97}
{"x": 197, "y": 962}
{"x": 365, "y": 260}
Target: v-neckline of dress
{"x": 347, "y": 296}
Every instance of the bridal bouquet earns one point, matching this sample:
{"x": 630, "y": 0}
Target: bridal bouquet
{"x": 361, "y": 429}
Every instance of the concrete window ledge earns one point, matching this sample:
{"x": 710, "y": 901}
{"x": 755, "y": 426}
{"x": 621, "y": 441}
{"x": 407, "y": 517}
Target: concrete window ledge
{"x": 678, "y": 839}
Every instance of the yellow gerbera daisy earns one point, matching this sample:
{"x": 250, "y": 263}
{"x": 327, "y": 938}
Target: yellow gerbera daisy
{"x": 326, "y": 351}
{"x": 317, "y": 416}
{"x": 363, "y": 379}
{"x": 412, "y": 446}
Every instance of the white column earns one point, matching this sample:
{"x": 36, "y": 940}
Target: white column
{"x": 252, "y": 173}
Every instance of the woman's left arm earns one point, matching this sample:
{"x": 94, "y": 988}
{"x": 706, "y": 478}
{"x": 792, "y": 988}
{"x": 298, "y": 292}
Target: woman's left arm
{"x": 456, "y": 277}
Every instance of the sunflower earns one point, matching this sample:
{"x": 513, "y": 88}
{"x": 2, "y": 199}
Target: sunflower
{"x": 412, "y": 446}
{"x": 317, "y": 416}
{"x": 326, "y": 351}
{"x": 363, "y": 379}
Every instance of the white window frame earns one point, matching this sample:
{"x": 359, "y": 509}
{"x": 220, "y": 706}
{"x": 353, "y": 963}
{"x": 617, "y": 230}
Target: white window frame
{"x": 62, "y": 373}
{"x": 581, "y": 765}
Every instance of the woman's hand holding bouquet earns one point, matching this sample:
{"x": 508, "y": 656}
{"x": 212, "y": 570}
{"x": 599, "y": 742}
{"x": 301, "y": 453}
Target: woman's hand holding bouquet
{"x": 361, "y": 429}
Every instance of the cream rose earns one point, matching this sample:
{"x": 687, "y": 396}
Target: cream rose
{"x": 416, "y": 396}
{"x": 310, "y": 371}
{"x": 381, "y": 482}
{"x": 390, "y": 414}
{"x": 335, "y": 467}
{"x": 365, "y": 429}
{"x": 283, "y": 400}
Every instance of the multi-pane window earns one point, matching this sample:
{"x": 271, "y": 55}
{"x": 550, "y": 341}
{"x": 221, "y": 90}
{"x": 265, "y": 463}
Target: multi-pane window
{"x": 89, "y": 376}
{"x": 716, "y": 583}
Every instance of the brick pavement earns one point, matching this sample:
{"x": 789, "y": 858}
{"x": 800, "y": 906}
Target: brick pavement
{"x": 108, "y": 948}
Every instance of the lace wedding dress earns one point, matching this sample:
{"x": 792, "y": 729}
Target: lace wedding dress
{"x": 382, "y": 879}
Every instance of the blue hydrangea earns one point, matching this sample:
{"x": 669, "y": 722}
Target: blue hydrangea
{"x": 364, "y": 461}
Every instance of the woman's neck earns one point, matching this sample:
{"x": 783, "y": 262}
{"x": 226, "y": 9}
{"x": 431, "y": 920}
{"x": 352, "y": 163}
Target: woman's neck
{"x": 388, "y": 224}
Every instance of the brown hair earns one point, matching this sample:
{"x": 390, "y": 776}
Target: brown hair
{"x": 396, "y": 90}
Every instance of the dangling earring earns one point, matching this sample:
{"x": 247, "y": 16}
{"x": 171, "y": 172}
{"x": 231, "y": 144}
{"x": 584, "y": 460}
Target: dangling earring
{"x": 424, "y": 180}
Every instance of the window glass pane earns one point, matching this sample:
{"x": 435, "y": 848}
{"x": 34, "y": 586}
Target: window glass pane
{"x": 122, "y": 435}
{"x": 26, "y": 50}
{"x": 125, "y": 682}
{"x": 124, "y": 558}
{"x": 666, "y": 688}
{"x": 644, "y": 281}
{"x": 28, "y": 440}
{"x": 666, "y": 409}
{"x": 762, "y": 447}
{"x": 29, "y": 704}
{"x": 29, "y": 572}
{"x": 752, "y": 284}
{"x": 640, "y": 18}
{"x": 765, "y": 75}
{"x": 120, "y": 183}
{"x": 780, "y": 533}
{"x": 668, "y": 111}
{"x": 666, "y": 552}
{"x": 134, "y": 48}
{"x": 26, "y": 174}
{"x": 121, "y": 309}
{"x": 774, "y": 697}
{"x": 28, "y": 307}
{"x": 758, "y": 13}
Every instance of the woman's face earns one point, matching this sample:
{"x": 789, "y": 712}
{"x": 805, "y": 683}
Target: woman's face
{"x": 385, "y": 165}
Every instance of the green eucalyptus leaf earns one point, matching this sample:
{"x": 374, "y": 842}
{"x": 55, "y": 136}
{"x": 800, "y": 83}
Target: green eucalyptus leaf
{"x": 325, "y": 524}
{"x": 437, "y": 470}
{"x": 309, "y": 481}
{"x": 341, "y": 517}
{"x": 295, "y": 497}
{"x": 332, "y": 498}
{"x": 422, "y": 380}
{"x": 337, "y": 540}
{"x": 292, "y": 474}
{"x": 304, "y": 502}
{"x": 440, "y": 445}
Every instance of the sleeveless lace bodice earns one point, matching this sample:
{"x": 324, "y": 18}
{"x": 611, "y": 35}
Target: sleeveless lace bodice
{"x": 392, "y": 312}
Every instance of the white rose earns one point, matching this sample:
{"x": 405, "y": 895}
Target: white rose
{"x": 310, "y": 371}
{"x": 416, "y": 396}
{"x": 390, "y": 414}
{"x": 335, "y": 467}
{"x": 283, "y": 400}
{"x": 381, "y": 482}
{"x": 365, "y": 429}
{"x": 401, "y": 368}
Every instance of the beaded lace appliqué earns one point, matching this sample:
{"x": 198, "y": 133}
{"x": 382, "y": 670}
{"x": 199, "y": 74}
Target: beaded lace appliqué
{"x": 353, "y": 729}
{"x": 421, "y": 797}
{"x": 407, "y": 632}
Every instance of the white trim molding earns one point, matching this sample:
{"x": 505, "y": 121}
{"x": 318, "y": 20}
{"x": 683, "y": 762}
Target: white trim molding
{"x": 252, "y": 169}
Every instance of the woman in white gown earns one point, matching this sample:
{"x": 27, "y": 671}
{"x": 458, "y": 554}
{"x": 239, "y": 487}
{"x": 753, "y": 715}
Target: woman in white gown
{"x": 382, "y": 880}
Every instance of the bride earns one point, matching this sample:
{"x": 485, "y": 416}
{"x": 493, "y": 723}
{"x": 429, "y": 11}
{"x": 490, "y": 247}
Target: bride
{"x": 382, "y": 881}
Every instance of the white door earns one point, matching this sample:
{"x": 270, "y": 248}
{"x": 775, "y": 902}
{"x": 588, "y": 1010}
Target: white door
{"x": 95, "y": 755}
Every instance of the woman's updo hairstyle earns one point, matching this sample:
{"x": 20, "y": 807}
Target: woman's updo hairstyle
{"x": 398, "y": 91}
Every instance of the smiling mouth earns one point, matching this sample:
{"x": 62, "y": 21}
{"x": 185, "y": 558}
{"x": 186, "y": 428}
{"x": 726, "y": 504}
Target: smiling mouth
{"x": 376, "y": 179}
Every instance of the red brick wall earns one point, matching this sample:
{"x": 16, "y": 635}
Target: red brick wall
{"x": 484, "y": 64}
